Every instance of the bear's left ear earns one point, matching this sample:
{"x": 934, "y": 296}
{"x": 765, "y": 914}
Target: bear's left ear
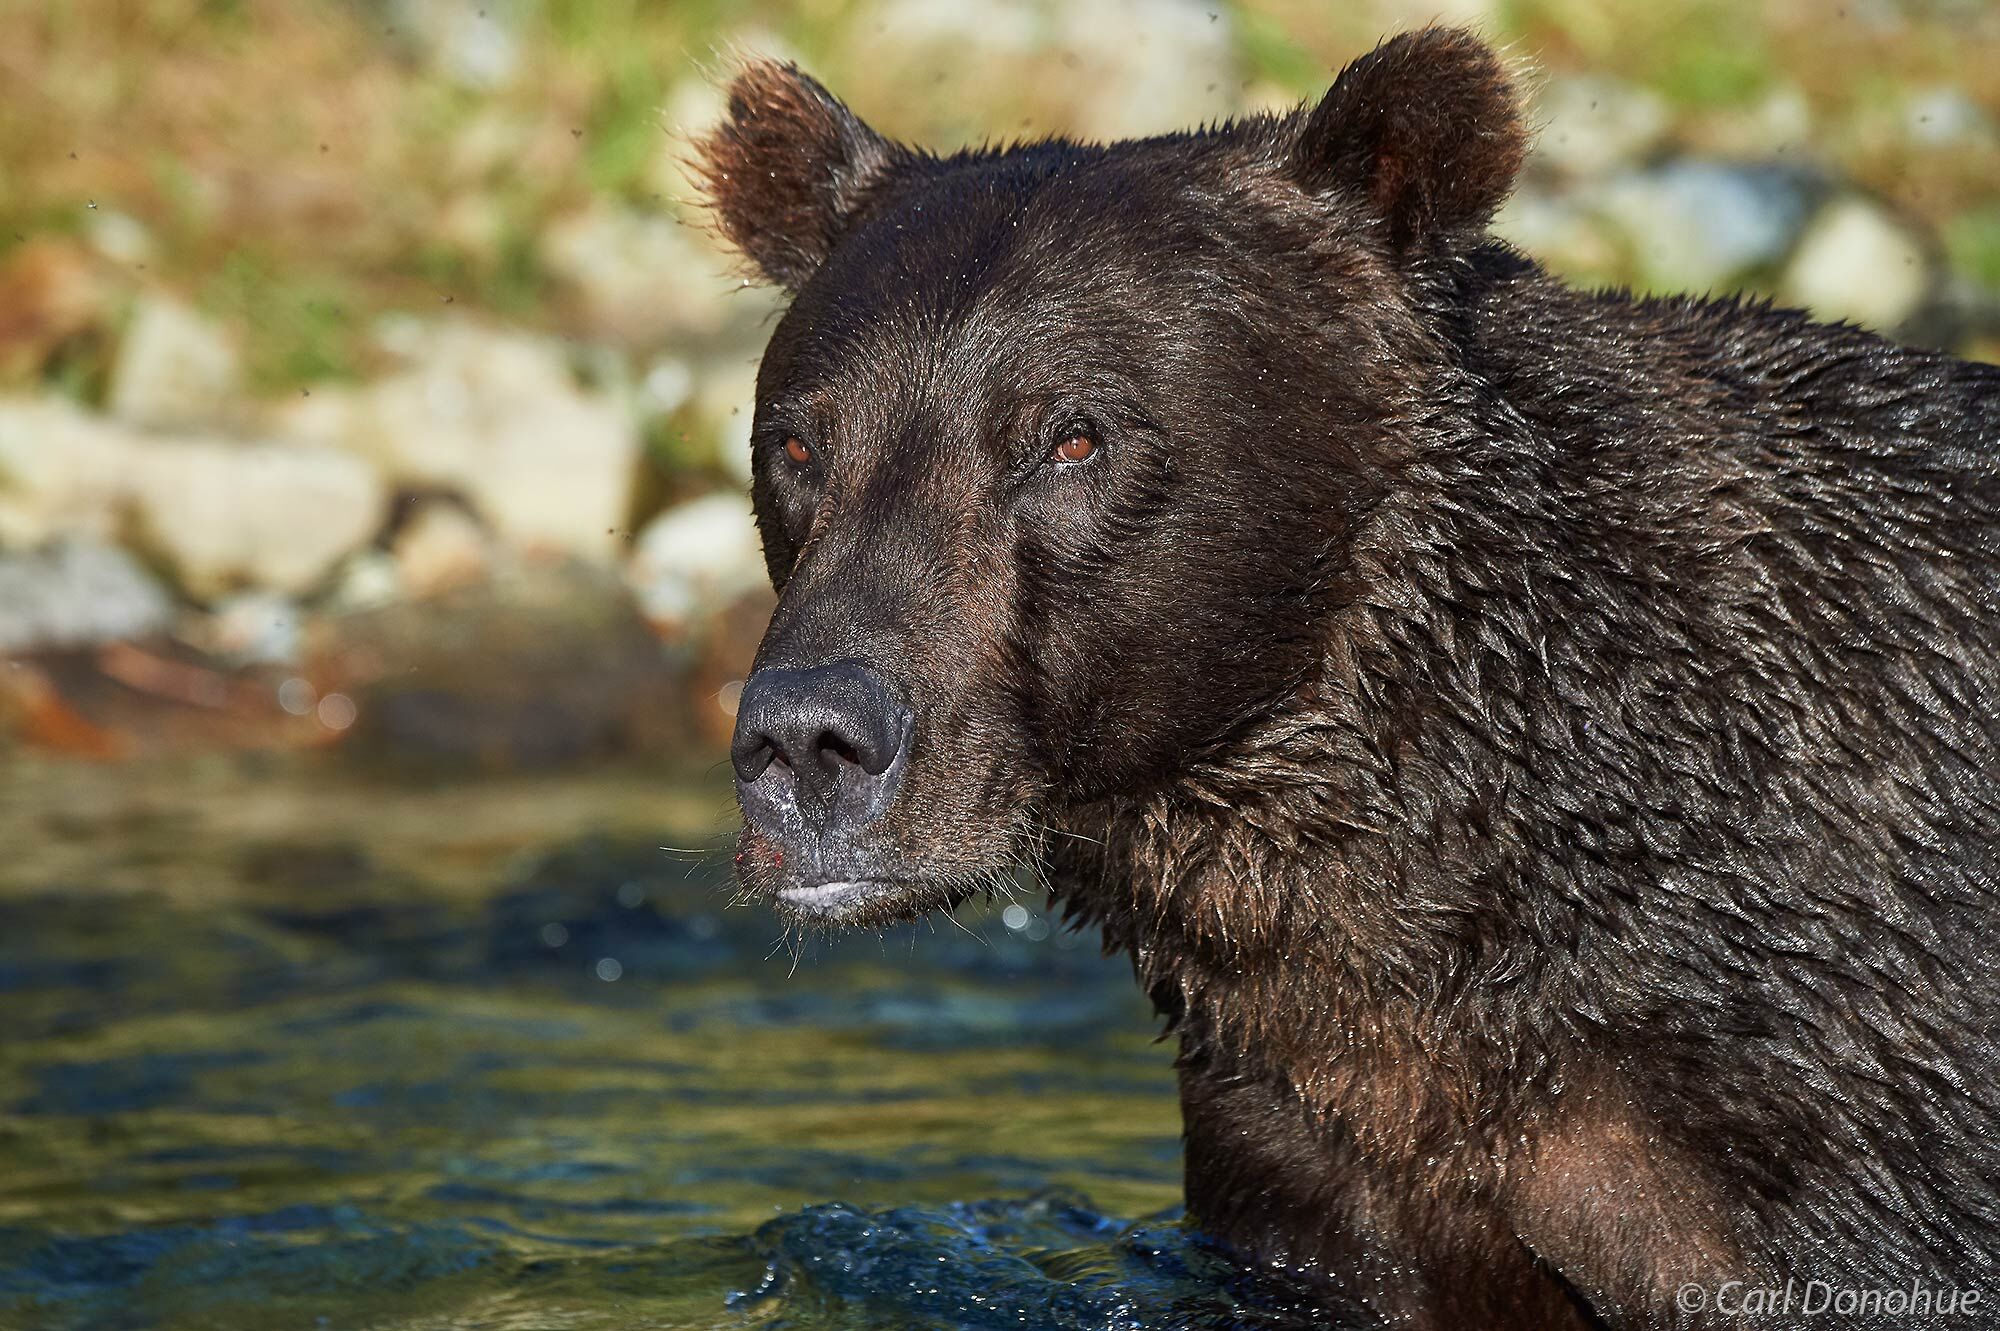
{"x": 787, "y": 169}
{"x": 1424, "y": 130}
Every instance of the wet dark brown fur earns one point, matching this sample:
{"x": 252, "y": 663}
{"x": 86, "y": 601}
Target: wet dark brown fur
{"x": 1540, "y": 749}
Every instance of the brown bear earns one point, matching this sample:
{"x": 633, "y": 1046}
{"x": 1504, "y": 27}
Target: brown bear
{"x": 1540, "y": 749}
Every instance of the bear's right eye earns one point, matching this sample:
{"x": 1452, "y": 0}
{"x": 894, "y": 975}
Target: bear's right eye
{"x": 1077, "y": 446}
{"x": 797, "y": 451}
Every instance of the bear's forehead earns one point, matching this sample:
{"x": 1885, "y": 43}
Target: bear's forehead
{"x": 1027, "y": 270}
{"x": 1043, "y": 226}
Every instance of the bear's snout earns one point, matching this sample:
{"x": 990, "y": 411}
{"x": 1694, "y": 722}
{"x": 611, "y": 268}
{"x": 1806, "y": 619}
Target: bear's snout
{"x": 819, "y": 752}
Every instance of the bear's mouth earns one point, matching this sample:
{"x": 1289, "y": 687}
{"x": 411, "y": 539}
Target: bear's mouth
{"x": 837, "y": 900}
{"x": 849, "y": 890}
{"x": 832, "y": 883}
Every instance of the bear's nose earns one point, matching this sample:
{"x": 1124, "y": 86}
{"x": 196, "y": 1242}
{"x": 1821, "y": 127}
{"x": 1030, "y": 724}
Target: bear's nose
{"x": 822, "y": 740}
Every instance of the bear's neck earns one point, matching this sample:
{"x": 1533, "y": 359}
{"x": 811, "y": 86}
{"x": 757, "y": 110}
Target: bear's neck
{"x": 1319, "y": 903}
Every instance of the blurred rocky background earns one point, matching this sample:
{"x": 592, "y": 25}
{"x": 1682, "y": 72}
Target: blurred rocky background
{"x": 369, "y": 382}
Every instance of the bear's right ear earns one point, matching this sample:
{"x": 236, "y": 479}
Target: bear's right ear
{"x": 786, "y": 169}
{"x": 1424, "y": 130}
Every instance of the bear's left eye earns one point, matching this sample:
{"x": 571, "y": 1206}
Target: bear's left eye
{"x": 1079, "y": 444}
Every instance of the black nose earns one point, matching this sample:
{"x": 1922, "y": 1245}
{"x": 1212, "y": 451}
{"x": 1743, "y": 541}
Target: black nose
{"x": 823, "y": 740}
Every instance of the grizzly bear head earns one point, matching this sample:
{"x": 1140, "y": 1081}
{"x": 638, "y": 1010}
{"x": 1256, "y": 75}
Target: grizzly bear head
{"x": 1061, "y": 450}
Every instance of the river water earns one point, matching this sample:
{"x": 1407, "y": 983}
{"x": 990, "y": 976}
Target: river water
{"x": 280, "y": 1049}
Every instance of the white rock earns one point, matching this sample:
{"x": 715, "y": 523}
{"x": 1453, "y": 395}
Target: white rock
{"x": 492, "y": 140}
{"x": 1942, "y": 116}
{"x": 498, "y": 418}
{"x": 61, "y": 471}
{"x": 668, "y": 384}
{"x": 724, "y": 409}
{"x": 473, "y": 224}
{"x": 174, "y": 368}
{"x": 1697, "y": 225}
{"x": 690, "y": 107}
{"x": 221, "y": 514}
{"x": 440, "y": 547}
{"x": 1396, "y": 15}
{"x": 1149, "y": 65}
{"x": 1777, "y": 124}
{"x": 224, "y": 515}
{"x": 643, "y": 278}
{"x": 120, "y": 237}
{"x": 471, "y": 41}
{"x": 367, "y": 580}
{"x": 254, "y": 628}
{"x": 1592, "y": 124}
{"x": 1002, "y": 29}
{"x": 76, "y": 593}
{"x": 1559, "y": 230}
{"x": 330, "y": 417}
{"x": 694, "y": 559}
{"x": 1109, "y": 69}
{"x": 409, "y": 337}
{"x": 1856, "y": 263}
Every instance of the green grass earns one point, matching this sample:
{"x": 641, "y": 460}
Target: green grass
{"x": 1699, "y": 53}
{"x": 1269, "y": 54}
{"x": 302, "y": 326}
{"x": 1972, "y": 244}
{"x": 625, "y": 130}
